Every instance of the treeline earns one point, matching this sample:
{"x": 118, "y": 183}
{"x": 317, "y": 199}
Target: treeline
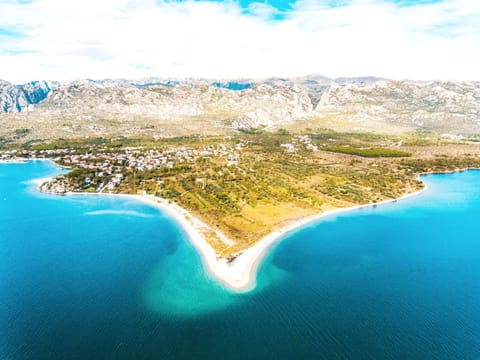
{"x": 375, "y": 152}
{"x": 441, "y": 164}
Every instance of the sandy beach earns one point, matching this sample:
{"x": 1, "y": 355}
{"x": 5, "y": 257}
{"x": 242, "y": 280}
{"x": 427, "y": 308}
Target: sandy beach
{"x": 239, "y": 275}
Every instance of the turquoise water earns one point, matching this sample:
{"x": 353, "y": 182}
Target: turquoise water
{"x": 97, "y": 277}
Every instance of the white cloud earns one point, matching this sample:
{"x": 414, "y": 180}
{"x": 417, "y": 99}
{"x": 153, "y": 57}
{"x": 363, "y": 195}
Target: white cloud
{"x": 120, "y": 38}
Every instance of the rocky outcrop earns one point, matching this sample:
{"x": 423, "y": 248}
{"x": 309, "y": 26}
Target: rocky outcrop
{"x": 17, "y": 98}
{"x": 258, "y": 105}
{"x": 57, "y": 185}
{"x": 440, "y": 106}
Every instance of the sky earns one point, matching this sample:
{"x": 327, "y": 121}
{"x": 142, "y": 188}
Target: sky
{"x": 400, "y": 39}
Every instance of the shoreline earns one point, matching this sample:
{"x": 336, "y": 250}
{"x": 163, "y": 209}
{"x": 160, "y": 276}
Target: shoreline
{"x": 240, "y": 275}
{"x": 14, "y": 161}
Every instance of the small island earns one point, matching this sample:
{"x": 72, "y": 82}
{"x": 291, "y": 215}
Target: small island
{"x": 236, "y": 195}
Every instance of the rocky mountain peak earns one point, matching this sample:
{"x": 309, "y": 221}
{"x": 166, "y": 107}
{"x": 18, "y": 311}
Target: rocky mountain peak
{"x": 17, "y": 98}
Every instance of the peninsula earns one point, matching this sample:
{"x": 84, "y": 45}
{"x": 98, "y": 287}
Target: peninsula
{"x": 235, "y": 196}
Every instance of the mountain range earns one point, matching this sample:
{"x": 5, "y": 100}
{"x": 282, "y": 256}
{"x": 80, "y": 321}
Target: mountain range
{"x": 172, "y": 107}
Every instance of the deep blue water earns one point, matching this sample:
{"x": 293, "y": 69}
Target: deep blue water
{"x": 97, "y": 277}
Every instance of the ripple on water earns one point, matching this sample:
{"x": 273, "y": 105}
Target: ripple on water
{"x": 119, "y": 212}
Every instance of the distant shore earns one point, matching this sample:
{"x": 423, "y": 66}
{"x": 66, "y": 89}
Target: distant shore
{"x": 14, "y": 161}
{"x": 240, "y": 274}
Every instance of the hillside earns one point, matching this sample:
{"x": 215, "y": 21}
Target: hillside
{"x": 177, "y": 107}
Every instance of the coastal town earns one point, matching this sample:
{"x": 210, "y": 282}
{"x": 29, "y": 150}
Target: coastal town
{"x": 111, "y": 166}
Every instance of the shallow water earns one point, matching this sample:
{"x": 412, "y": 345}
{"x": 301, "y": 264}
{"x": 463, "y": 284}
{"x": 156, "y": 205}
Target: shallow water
{"x": 96, "y": 277}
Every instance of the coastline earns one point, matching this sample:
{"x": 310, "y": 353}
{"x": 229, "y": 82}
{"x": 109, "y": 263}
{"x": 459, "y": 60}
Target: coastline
{"x": 239, "y": 275}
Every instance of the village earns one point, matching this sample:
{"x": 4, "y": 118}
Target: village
{"x": 111, "y": 165}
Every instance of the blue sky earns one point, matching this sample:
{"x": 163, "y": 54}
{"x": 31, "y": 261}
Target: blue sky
{"x": 286, "y": 5}
{"x": 66, "y": 39}
{"x": 283, "y": 7}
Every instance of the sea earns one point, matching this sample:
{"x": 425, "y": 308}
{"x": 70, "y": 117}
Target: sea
{"x": 104, "y": 277}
